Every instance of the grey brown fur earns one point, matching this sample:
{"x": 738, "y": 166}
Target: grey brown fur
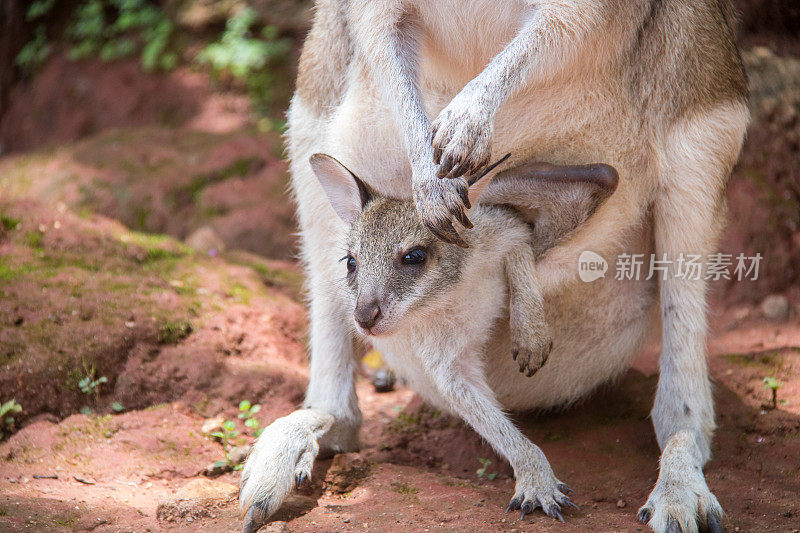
{"x": 405, "y": 91}
{"x": 557, "y": 200}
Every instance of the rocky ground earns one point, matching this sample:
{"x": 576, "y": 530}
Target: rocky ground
{"x": 150, "y": 244}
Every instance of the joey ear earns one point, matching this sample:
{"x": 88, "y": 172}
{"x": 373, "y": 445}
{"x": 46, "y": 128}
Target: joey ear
{"x": 557, "y": 199}
{"x": 347, "y": 194}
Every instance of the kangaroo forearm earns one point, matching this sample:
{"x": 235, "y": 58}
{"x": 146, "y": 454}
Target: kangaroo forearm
{"x": 391, "y": 50}
{"x": 549, "y": 39}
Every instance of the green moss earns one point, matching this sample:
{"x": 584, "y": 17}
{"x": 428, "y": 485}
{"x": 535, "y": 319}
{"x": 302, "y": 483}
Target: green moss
{"x": 54, "y": 263}
{"x": 190, "y": 194}
{"x": 240, "y": 292}
{"x": 8, "y": 222}
{"x": 34, "y": 239}
{"x": 7, "y": 272}
{"x": 71, "y": 381}
{"x": 11, "y": 351}
{"x": 754, "y": 360}
{"x": 140, "y": 216}
{"x": 407, "y": 491}
{"x": 155, "y": 243}
{"x": 271, "y": 276}
{"x": 277, "y": 276}
{"x": 448, "y": 482}
{"x": 174, "y": 332}
{"x": 66, "y": 522}
{"x": 405, "y": 423}
{"x": 160, "y": 254}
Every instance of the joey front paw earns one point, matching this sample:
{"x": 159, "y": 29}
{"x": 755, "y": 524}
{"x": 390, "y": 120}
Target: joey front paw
{"x": 461, "y": 137}
{"x": 438, "y": 202}
{"x": 531, "y": 354}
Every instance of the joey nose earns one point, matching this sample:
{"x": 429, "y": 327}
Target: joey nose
{"x": 367, "y": 315}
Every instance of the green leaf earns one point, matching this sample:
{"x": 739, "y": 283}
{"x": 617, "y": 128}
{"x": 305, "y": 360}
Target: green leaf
{"x": 116, "y": 406}
{"x": 219, "y": 464}
{"x": 39, "y": 8}
{"x": 258, "y": 432}
{"x": 256, "y": 408}
{"x": 244, "y": 405}
{"x": 228, "y": 425}
{"x": 86, "y": 410}
{"x": 251, "y": 423}
{"x": 168, "y": 61}
{"x": 218, "y": 434}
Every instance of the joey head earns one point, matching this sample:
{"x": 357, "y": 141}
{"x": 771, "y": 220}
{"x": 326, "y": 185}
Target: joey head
{"x": 397, "y": 271}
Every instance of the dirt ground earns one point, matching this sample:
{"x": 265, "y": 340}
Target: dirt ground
{"x": 97, "y": 277}
{"x": 420, "y": 466}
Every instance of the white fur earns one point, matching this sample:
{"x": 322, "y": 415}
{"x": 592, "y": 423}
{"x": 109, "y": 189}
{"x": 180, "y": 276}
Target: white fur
{"x": 536, "y": 77}
{"x": 294, "y": 436}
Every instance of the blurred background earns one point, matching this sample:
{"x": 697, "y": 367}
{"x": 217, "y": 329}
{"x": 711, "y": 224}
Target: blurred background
{"x": 150, "y": 300}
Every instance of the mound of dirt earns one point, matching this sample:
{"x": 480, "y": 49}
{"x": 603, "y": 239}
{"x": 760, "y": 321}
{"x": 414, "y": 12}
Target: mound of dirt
{"x": 85, "y": 298}
{"x": 162, "y": 180}
{"x": 70, "y": 100}
{"x": 764, "y": 192}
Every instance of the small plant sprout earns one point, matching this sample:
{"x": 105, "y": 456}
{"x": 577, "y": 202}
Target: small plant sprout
{"x": 246, "y": 412}
{"x": 481, "y": 472}
{"x": 773, "y": 385}
{"x": 227, "y": 434}
{"x": 89, "y": 384}
{"x": 7, "y": 410}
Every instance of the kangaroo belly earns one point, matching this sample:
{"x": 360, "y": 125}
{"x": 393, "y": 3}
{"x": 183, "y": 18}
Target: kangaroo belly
{"x": 597, "y": 328}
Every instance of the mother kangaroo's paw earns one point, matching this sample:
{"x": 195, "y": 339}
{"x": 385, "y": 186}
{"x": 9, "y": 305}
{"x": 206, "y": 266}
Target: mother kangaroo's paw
{"x": 461, "y": 137}
{"x": 537, "y": 486}
{"x": 682, "y": 509}
{"x": 543, "y": 492}
{"x": 282, "y": 458}
{"x": 682, "y": 503}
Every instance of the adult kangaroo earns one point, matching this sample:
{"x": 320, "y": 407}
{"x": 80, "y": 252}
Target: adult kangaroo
{"x": 416, "y": 96}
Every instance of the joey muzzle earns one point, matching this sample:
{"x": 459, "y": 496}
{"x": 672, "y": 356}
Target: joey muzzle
{"x": 367, "y": 312}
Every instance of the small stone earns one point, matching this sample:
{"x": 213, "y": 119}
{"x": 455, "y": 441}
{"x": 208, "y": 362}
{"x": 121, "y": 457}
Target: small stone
{"x": 276, "y": 527}
{"x": 383, "y": 380}
{"x": 239, "y": 454}
{"x": 217, "y": 468}
{"x": 198, "y": 498}
{"x": 346, "y": 470}
{"x": 621, "y": 504}
{"x": 206, "y": 240}
{"x": 775, "y": 307}
{"x": 212, "y": 425}
{"x": 346, "y": 520}
{"x": 762, "y": 52}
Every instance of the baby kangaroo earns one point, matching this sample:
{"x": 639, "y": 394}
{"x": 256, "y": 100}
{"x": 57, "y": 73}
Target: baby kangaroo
{"x": 430, "y": 306}
{"x": 397, "y": 270}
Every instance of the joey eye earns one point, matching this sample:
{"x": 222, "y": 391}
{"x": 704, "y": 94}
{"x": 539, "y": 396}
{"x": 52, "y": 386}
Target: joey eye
{"x": 351, "y": 264}
{"x": 417, "y": 256}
